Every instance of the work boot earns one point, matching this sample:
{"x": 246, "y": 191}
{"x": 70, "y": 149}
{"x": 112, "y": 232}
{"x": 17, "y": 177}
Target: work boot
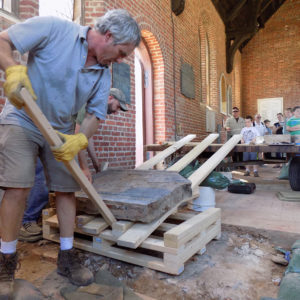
{"x": 16, "y": 289}
{"x": 68, "y": 265}
{"x": 256, "y": 174}
{"x": 30, "y": 232}
{"x": 8, "y": 265}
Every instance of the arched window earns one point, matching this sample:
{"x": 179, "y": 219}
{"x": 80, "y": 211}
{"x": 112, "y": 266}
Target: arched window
{"x": 223, "y": 100}
{"x": 207, "y": 70}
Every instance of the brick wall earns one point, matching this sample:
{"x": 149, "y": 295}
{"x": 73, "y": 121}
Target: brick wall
{"x": 174, "y": 114}
{"x": 28, "y": 9}
{"x": 199, "y": 19}
{"x": 270, "y": 61}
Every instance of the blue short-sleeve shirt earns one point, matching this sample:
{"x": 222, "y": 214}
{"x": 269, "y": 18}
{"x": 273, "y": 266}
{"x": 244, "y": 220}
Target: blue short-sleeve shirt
{"x": 57, "y": 55}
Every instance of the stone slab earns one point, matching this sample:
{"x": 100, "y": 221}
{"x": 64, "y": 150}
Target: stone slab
{"x": 137, "y": 195}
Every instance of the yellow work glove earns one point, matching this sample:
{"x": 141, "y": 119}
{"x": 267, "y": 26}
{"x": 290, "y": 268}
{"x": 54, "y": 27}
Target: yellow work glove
{"x": 16, "y": 78}
{"x": 73, "y": 143}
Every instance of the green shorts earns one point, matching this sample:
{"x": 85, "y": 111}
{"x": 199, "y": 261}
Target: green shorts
{"x": 19, "y": 149}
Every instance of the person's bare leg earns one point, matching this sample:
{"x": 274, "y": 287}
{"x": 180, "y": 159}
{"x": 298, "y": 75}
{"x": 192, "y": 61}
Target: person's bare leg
{"x": 66, "y": 212}
{"x": 11, "y": 212}
{"x": 67, "y": 262}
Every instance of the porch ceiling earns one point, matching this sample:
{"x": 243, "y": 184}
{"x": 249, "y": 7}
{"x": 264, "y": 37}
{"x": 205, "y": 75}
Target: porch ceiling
{"x": 243, "y": 19}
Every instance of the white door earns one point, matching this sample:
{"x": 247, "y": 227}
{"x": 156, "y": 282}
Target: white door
{"x": 268, "y": 108}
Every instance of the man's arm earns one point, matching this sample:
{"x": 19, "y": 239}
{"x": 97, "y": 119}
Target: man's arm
{"x": 16, "y": 75}
{"x": 294, "y": 128}
{"x": 92, "y": 154}
{"x": 227, "y": 128}
{"x": 6, "y": 51}
{"x": 88, "y": 127}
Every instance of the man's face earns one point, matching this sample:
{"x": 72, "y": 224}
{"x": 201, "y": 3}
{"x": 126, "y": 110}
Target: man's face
{"x": 235, "y": 113}
{"x": 107, "y": 53}
{"x": 297, "y": 113}
{"x": 280, "y": 117}
{"x": 258, "y": 118}
{"x": 113, "y": 105}
{"x": 288, "y": 114}
{"x": 248, "y": 123}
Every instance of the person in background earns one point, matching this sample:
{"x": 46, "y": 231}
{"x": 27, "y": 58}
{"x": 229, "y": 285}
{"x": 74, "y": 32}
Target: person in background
{"x": 278, "y": 129}
{"x": 249, "y": 134}
{"x": 288, "y": 113}
{"x": 261, "y": 128}
{"x": 278, "y": 126}
{"x": 267, "y": 125}
{"x": 293, "y": 124}
{"x": 234, "y": 125}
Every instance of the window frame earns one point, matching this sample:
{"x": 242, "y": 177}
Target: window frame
{"x": 222, "y": 93}
{"x": 14, "y": 7}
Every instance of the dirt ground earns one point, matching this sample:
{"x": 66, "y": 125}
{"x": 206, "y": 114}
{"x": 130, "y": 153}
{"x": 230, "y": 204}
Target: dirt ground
{"x": 237, "y": 266}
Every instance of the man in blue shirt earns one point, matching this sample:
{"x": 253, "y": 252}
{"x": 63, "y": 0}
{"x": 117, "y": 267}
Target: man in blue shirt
{"x": 67, "y": 68}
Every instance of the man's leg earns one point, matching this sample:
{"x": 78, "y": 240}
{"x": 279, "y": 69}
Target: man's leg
{"x": 36, "y": 201}
{"x": 66, "y": 212}
{"x": 11, "y": 212}
{"x": 68, "y": 264}
{"x": 17, "y": 163}
{"x": 12, "y": 205}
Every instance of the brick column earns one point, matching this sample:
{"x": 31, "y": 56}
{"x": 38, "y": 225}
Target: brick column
{"x": 28, "y": 9}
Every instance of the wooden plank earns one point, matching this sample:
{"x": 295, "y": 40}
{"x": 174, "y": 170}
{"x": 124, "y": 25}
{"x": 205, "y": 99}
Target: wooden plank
{"x": 121, "y": 226}
{"x": 182, "y": 216}
{"x": 187, "y": 230}
{"x": 52, "y": 221}
{"x": 238, "y": 148}
{"x": 194, "y": 153}
{"x": 151, "y": 243}
{"x": 200, "y": 174}
{"x": 95, "y": 226}
{"x": 162, "y": 155}
{"x": 135, "y": 235}
{"x": 166, "y": 226}
{"x": 39, "y": 119}
{"x": 81, "y": 220}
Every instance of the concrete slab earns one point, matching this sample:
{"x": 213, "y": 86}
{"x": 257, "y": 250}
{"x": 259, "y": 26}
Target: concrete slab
{"x": 262, "y": 210}
{"x": 137, "y": 195}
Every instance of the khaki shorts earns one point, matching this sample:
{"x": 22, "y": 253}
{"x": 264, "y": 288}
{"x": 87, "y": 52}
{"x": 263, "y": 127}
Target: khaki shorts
{"x": 19, "y": 149}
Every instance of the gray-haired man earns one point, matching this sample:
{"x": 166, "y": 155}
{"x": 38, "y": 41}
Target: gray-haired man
{"x": 67, "y": 67}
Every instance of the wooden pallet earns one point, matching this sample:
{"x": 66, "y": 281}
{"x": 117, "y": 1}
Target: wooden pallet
{"x": 174, "y": 242}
